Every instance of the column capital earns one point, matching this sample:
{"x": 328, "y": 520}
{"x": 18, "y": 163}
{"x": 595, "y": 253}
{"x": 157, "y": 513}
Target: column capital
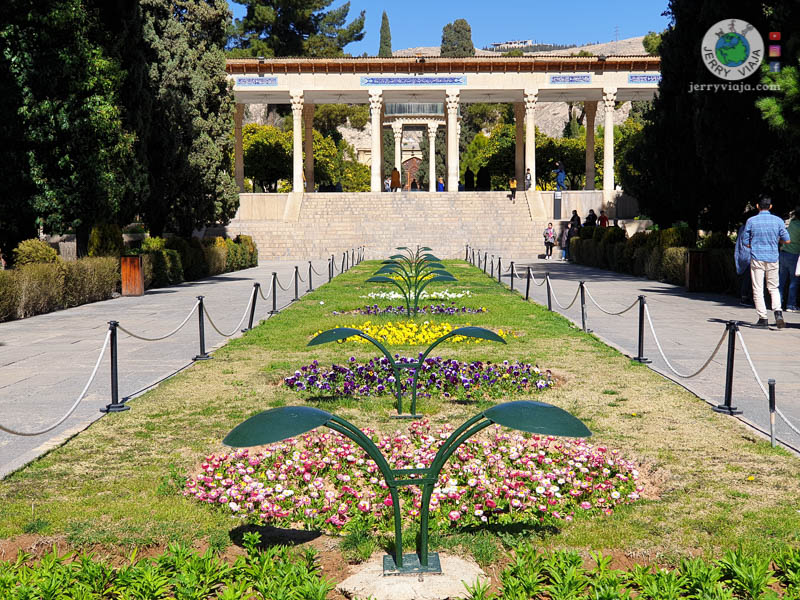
{"x": 397, "y": 128}
{"x": 375, "y": 99}
{"x": 452, "y": 96}
{"x": 609, "y": 97}
{"x": 297, "y": 100}
{"x": 531, "y": 98}
{"x": 432, "y": 127}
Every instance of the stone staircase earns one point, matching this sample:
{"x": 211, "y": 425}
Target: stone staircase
{"x": 329, "y": 223}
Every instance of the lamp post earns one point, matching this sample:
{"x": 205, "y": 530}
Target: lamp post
{"x": 342, "y": 333}
{"x": 284, "y": 422}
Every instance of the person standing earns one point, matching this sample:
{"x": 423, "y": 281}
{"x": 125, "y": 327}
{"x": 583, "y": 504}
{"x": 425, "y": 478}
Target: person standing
{"x": 742, "y": 259}
{"x": 603, "y": 220}
{"x": 763, "y": 234}
{"x": 575, "y": 220}
{"x": 395, "y": 180}
{"x": 563, "y": 241}
{"x": 512, "y": 185}
{"x": 788, "y": 283}
{"x": 591, "y": 219}
{"x": 440, "y": 184}
{"x": 561, "y": 176}
{"x": 549, "y": 241}
{"x": 528, "y": 179}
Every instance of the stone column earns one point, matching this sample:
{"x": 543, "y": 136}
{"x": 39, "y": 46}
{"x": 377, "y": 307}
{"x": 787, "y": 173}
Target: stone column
{"x": 452, "y": 140}
{"x": 609, "y": 98}
{"x": 238, "y": 147}
{"x": 591, "y": 113}
{"x": 397, "y": 129}
{"x": 432, "y": 127}
{"x": 297, "y": 140}
{"x": 519, "y": 144}
{"x": 531, "y": 96}
{"x": 308, "y": 139}
{"x": 375, "y": 103}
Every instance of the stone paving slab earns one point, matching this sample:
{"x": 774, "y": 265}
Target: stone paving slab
{"x": 688, "y": 325}
{"x": 46, "y": 360}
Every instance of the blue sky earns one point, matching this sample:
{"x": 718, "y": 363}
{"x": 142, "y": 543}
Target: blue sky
{"x": 419, "y": 22}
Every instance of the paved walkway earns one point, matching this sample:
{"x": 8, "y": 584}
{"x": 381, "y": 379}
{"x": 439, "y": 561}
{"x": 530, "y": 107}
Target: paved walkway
{"x": 45, "y": 361}
{"x": 688, "y": 327}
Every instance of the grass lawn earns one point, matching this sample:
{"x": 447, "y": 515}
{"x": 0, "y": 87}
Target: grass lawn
{"x": 710, "y": 484}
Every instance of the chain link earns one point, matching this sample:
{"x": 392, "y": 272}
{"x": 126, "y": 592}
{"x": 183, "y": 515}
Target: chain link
{"x": 235, "y": 329}
{"x": 613, "y": 314}
{"x": 73, "y": 407}
{"x": 555, "y": 298}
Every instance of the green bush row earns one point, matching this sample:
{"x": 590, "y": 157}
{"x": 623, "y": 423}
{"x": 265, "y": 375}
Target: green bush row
{"x": 274, "y": 572}
{"x": 37, "y": 288}
{"x": 659, "y": 255}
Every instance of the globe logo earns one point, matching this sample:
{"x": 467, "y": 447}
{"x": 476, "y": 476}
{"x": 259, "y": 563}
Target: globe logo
{"x": 732, "y": 49}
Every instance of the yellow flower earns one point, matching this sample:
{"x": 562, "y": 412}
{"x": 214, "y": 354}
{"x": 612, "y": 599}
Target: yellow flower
{"x": 751, "y": 478}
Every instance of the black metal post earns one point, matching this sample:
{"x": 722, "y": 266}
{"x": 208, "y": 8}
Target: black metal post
{"x": 256, "y": 290}
{"x": 466, "y": 256}
{"x": 771, "y": 384}
{"x": 115, "y": 405}
{"x": 485, "y": 256}
{"x": 201, "y": 320}
{"x": 640, "y": 357}
{"x": 310, "y": 283}
{"x": 727, "y": 408}
{"x": 491, "y": 273}
{"x": 344, "y": 255}
{"x": 479, "y": 258}
{"x": 549, "y": 292}
{"x": 583, "y": 307}
{"x": 274, "y": 310}
{"x": 528, "y": 284}
{"x": 353, "y": 257}
{"x": 499, "y": 268}
{"x": 296, "y": 284}
{"x": 512, "y": 275}
{"x": 473, "y": 257}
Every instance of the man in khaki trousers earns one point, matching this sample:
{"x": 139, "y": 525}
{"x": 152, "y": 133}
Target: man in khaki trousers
{"x": 763, "y": 234}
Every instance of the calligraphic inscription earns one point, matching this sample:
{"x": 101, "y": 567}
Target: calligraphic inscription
{"x": 651, "y": 78}
{"x": 390, "y": 81}
{"x": 570, "y": 79}
{"x": 256, "y": 81}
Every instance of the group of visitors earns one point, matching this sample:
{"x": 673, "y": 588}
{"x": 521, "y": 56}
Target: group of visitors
{"x": 392, "y": 183}
{"x": 767, "y": 252}
{"x": 569, "y": 231}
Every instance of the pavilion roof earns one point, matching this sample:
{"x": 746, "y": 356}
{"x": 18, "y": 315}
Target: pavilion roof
{"x": 434, "y": 64}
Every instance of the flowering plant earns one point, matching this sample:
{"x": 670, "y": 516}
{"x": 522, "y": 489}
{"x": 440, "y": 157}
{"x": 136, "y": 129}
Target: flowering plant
{"x": 322, "y": 480}
{"x": 409, "y": 333}
{"x": 433, "y": 309}
{"x": 448, "y": 378}
{"x": 445, "y": 294}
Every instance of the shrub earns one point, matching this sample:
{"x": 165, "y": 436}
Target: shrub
{"x": 34, "y": 251}
{"x": 41, "y": 288}
{"x": 638, "y": 260}
{"x": 251, "y": 252}
{"x": 717, "y": 240}
{"x": 636, "y": 241}
{"x": 673, "y": 265}
{"x": 153, "y": 244}
{"x": 216, "y": 258}
{"x": 9, "y": 295}
{"x": 147, "y": 269}
{"x": 105, "y": 239}
{"x": 586, "y": 232}
{"x": 575, "y": 249}
{"x": 652, "y": 264}
{"x": 676, "y": 237}
{"x": 193, "y": 260}
{"x": 589, "y": 253}
{"x": 167, "y": 268}
{"x": 598, "y": 233}
{"x": 653, "y": 239}
{"x": 721, "y": 271}
{"x": 235, "y": 258}
{"x": 90, "y": 280}
{"x": 621, "y": 262}
{"x": 614, "y": 235}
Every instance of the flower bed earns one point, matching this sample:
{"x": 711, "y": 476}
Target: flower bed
{"x": 445, "y": 294}
{"x": 322, "y": 480}
{"x": 448, "y": 378}
{"x": 410, "y": 333}
{"x": 433, "y": 309}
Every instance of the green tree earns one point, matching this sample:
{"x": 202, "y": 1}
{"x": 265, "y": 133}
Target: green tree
{"x": 385, "y": 49}
{"x": 267, "y": 153}
{"x": 652, "y": 43}
{"x": 189, "y": 140}
{"x": 294, "y": 28}
{"x": 73, "y": 155}
{"x": 423, "y": 175}
{"x": 457, "y": 40}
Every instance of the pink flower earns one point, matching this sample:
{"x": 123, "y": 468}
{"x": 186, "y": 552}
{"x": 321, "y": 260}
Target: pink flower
{"x": 586, "y": 505}
{"x": 454, "y": 515}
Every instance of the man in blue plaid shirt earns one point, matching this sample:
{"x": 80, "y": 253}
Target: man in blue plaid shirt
{"x": 763, "y": 234}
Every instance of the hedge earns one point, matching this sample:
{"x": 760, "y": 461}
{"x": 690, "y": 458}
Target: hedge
{"x": 659, "y": 255}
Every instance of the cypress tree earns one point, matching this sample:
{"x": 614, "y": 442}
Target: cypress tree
{"x": 385, "y": 49}
{"x": 457, "y": 40}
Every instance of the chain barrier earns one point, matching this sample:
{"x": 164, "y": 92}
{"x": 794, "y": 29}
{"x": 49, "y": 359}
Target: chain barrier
{"x": 561, "y": 306}
{"x": 163, "y": 337}
{"x": 261, "y": 292}
{"x": 278, "y": 281}
{"x": 235, "y": 329}
{"x": 75, "y": 404}
{"x": 661, "y": 351}
{"x": 315, "y": 271}
{"x": 613, "y": 314}
{"x": 300, "y": 277}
